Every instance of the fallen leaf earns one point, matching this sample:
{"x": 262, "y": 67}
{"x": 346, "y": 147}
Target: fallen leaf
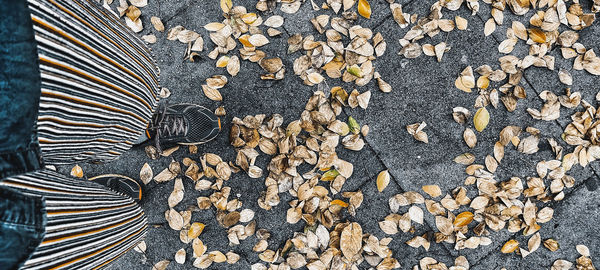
{"x": 383, "y": 179}
{"x": 351, "y": 240}
{"x": 364, "y": 8}
{"x": 481, "y": 119}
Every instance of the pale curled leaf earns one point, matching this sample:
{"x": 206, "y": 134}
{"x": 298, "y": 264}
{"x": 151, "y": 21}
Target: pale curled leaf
{"x": 351, "y": 240}
{"x": 383, "y": 179}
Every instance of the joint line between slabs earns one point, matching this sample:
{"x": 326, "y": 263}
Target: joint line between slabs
{"x": 575, "y": 188}
{"x": 537, "y": 92}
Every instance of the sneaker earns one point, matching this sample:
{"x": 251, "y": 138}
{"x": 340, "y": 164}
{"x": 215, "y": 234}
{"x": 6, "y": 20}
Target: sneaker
{"x": 120, "y": 183}
{"x": 185, "y": 124}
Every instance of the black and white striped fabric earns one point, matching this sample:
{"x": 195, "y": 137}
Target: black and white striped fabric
{"x": 88, "y": 226}
{"x": 99, "y": 91}
{"x": 99, "y": 82}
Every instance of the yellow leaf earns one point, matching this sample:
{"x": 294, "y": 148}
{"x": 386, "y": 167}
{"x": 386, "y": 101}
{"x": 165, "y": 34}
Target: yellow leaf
{"x": 226, "y": 5}
{"x": 223, "y": 60}
{"x": 463, "y": 219}
{"x": 383, "y": 179}
{"x": 481, "y": 119}
{"x": 249, "y": 18}
{"x": 340, "y": 203}
{"x": 195, "y": 230}
{"x": 510, "y": 246}
{"x": 364, "y": 8}
{"x": 537, "y": 35}
{"x": 244, "y": 40}
{"x": 483, "y": 82}
{"x": 77, "y": 171}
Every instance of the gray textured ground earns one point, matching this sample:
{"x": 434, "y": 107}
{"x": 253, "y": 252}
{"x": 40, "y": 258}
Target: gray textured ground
{"x": 423, "y": 91}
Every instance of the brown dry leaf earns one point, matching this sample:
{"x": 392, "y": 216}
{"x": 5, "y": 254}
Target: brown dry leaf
{"x": 351, "y": 240}
{"x": 565, "y": 77}
{"x": 173, "y": 32}
{"x": 233, "y": 65}
{"x": 212, "y": 93}
{"x": 461, "y": 23}
{"x": 491, "y": 164}
{"x": 389, "y": 226}
{"x": 169, "y": 151}
{"x": 274, "y": 21}
{"x": 498, "y": 151}
{"x": 149, "y": 38}
{"x": 258, "y": 40}
{"x": 416, "y": 214}
{"x": 416, "y": 130}
{"x": 162, "y": 265}
{"x": 510, "y": 246}
{"x": 232, "y": 258}
{"x": 230, "y": 219}
{"x": 175, "y": 219}
{"x": 519, "y": 30}
{"x": 439, "y": 50}
{"x": 383, "y": 86}
{"x": 164, "y": 176}
{"x": 465, "y": 159}
{"x": 226, "y": 5}
{"x": 141, "y": 247}
{"x": 180, "y": 256}
{"x": 534, "y": 242}
{"x": 551, "y": 244}
{"x": 363, "y": 99}
{"x": 444, "y": 225}
{"x": 466, "y": 80}
{"x": 490, "y": 27}
{"x": 157, "y": 23}
{"x": 470, "y": 137}
{"x": 139, "y": 3}
{"x": 383, "y": 179}
{"x": 561, "y": 265}
{"x": 246, "y": 215}
{"x": 220, "y": 111}
{"x": 432, "y": 190}
{"x": 177, "y": 193}
{"x": 198, "y": 247}
{"x": 583, "y": 250}
{"x": 364, "y": 8}
{"x": 481, "y": 119}
{"x": 76, "y": 171}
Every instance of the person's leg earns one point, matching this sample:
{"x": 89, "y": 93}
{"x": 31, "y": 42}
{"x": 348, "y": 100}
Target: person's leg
{"x": 99, "y": 82}
{"x": 88, "y": 226}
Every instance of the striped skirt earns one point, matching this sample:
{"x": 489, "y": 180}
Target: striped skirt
{"x": 99, "y": 90}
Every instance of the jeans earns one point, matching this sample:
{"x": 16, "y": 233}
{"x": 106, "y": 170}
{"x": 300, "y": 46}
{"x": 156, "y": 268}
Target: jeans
{"x": 22, "y": 223}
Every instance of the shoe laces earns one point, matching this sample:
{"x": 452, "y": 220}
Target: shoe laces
{"x": 167, "y": 125}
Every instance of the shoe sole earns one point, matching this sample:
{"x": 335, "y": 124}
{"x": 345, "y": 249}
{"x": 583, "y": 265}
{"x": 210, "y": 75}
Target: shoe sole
{"x": 121, "y": 176}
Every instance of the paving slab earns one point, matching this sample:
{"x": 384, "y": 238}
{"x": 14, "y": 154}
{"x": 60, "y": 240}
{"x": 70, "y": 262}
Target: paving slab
{"x": 423, "y": 91}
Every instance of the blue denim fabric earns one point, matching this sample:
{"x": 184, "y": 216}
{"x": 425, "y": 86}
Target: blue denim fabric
{"x": 22, "y": 218}
{"x": 19, "y": 90}
{"x": 22, "y": 223}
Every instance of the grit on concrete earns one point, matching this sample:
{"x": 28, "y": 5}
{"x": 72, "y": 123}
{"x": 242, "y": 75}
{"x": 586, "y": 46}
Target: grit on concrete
{"x": 423, "y": 91}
